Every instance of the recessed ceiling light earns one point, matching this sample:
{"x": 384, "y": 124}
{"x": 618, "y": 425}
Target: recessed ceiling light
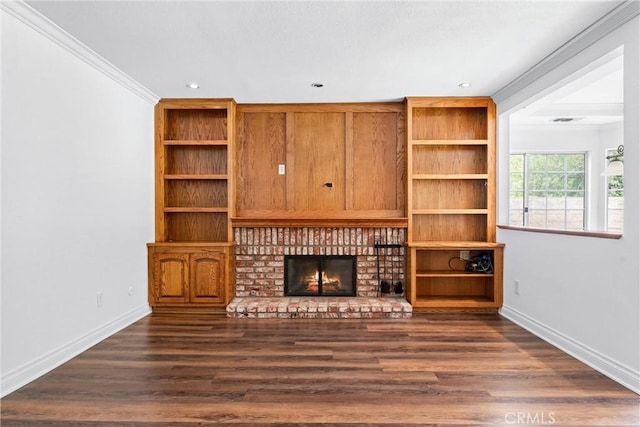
{"x": 193, "y": 86}
{"x": 317, "y": 84}
{"x": 464, "y": 85}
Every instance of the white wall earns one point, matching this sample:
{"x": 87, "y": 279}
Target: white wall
{"x": 77, "y": 203}
{"x": 581, "y": 293}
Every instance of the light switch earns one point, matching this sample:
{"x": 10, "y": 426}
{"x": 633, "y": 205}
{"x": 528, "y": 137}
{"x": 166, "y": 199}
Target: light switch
{"x": 280, "y": 169}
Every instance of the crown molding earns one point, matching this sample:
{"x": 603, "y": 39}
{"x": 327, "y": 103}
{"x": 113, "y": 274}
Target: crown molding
{"x": 613, "y": 20}
{"x": 35, "y": 20}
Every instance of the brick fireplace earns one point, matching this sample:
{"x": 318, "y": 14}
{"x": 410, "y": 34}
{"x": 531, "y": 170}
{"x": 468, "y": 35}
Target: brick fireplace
{"x": 260, "y": 253}
{"x": 260, "y": 271}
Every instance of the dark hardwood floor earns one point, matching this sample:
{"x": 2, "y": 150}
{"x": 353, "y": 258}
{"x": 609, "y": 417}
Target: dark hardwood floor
{"x": 434, "y": 369}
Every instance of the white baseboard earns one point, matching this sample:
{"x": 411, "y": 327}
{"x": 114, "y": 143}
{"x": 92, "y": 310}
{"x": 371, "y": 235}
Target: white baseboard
{"x": 28, "y": 372}
{"x": 618, "y": 372}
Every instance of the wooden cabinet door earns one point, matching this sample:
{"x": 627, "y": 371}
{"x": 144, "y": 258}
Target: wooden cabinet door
{"x": 319, "y": 165}
{"x": 208, "y": 277}
{"x": 170, "y": 277}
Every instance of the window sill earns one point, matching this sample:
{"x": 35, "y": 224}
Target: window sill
{"x": 598, "y": 234}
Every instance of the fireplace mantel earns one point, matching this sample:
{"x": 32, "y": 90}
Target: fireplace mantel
{"x": 303, "y": 221}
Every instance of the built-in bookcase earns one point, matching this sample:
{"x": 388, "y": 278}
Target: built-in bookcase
{"x": 194, "y": 152}
{"x": 451, "y": 201}
{"x": 190, "y": 261}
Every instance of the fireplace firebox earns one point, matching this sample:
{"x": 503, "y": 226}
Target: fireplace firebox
{"x": 320, "y": 275}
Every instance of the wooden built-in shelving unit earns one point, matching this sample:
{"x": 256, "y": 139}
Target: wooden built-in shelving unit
{"x": 451, "y": 201}
{"x": 427, "y": 164}
{"x": 190, "y": 262}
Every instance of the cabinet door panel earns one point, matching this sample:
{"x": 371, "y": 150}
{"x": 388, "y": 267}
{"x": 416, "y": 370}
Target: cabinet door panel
{"x": 207, "y": 277}
{"x": 261, "y": 148}
{"x": 377, "y": 163}
{"x": 171, "y": 277}
{"x": 319, "y": 140}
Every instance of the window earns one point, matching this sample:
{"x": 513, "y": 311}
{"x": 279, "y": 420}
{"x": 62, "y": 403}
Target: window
{"x": 547, "y": 190}
{"x": 615, "y": 200}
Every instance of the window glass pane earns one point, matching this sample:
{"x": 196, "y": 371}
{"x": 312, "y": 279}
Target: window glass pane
{"x": 575, "y": 200}
{"x": 575, "y": 181}
{"x": 554, "y": 183}
{"x": 536, "y": 200}
{"x": 537, "y": 218}
{"x": 615, "y": 199}
{"x": 575, "y": 220}
{"x": 555, "y": 219}
{"x": 516, "y": 217}
{"x": 615, "y": 220}
{"x": 575, "y": 162}
{"x": 516, "y": 184}
{"x": 555, "y": 163}
{"x": 537, "y": 181}
{"x": 555, "y": 200}
{"x": 516, "y": 163}
{"x": 537, "y": 162}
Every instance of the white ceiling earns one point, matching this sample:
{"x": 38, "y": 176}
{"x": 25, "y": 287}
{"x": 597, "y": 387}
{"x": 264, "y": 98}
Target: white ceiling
{"x": 271, "y": 51}
{"x": 591, "y": 96}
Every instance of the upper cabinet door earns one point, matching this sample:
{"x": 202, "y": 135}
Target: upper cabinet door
{"x": 319, "y": 163}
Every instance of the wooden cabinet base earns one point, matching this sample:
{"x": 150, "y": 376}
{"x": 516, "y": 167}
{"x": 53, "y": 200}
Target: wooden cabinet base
{"x": 459, "y": 275}
{"x": 190, "y": 274}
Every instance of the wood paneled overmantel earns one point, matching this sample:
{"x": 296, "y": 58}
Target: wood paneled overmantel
{"x": 344, "y": 164}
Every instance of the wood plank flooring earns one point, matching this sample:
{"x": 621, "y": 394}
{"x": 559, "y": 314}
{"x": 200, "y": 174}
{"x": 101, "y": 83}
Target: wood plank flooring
{"x": 433, "y": 369}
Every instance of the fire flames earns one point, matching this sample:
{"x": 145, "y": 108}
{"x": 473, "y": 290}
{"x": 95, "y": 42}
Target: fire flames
{"x": 328, "y": 283}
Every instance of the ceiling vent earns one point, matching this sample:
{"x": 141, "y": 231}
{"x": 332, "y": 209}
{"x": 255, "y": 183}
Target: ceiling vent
{"x": 566, "y": 119}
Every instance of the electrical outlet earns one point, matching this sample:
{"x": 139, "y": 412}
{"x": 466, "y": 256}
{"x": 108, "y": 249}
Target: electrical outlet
{"x": 516, "y": 287}
{"x": 99, "y": 299}
{"x": 280, "y": 169}
{"x": 464, "y": 255}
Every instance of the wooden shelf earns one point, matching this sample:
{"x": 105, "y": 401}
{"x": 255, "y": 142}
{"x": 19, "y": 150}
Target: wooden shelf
{"x": 196, "y": 209}
{"x": 450, "y": 211}
{"x": 198, "y": 176}
{"x": 449, "y": 142}
{"x": 455, "y": 245}
{"x": 452, "y": 176}
{"x": 191, "y": 244}
{"x": 436, "y": 301}
{"x": 451, "y": 273}
{"x": 222, "y": 142}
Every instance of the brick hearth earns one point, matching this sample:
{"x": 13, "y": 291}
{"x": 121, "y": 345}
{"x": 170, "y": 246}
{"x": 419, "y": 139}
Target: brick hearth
{"x": 320, "y": 307}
